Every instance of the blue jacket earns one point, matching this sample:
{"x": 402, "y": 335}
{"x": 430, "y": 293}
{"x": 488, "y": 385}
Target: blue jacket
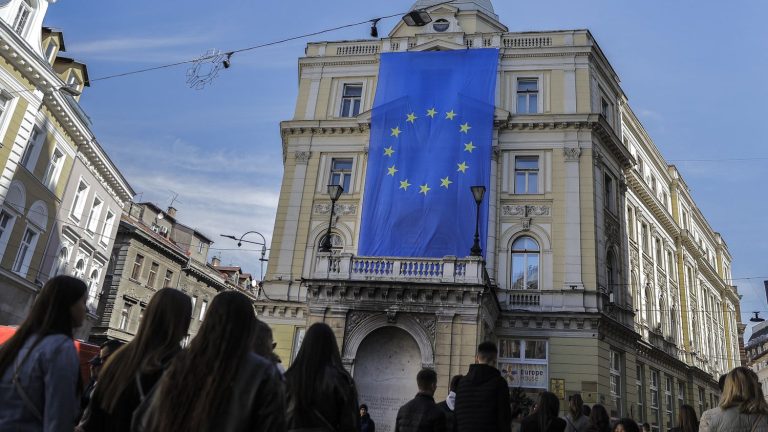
{"x": 49, "y": 377}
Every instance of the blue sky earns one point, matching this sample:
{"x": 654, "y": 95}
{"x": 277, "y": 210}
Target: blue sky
{"x": 693, "y": 72}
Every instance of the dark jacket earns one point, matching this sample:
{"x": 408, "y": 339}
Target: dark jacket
{"x": 450, "y": 416}
{"x": 420, "y": 414}
{"x": 367, "y": 424}
{"x": 531, "y": 424}
{"x": 482, "y": 401}
{"x": 96, "y": 419}
{"x": 334, "y": 403}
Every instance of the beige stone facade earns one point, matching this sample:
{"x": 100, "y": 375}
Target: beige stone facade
{"x": 603, "y": 313}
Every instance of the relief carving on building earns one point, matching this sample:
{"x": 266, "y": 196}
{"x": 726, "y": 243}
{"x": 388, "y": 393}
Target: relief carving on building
{"x": 526, "y": 210}
{"x": 339, "y": 209}
{"x": 429, "y": 324}
{"x": 571, "y": 154}
{"x": 354, "y": 319}
{"x": 302, "y": 157}
{"x": 612, "y": 230}
{"x": 634, "y": 259}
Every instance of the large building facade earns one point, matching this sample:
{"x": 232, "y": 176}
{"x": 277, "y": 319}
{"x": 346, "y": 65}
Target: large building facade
{"x": 60, "y": 194}
{"x": 601, "y": 276}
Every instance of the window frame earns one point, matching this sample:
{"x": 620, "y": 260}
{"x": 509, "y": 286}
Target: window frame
{"x": 669, "y": 406}
{"x": 203, "y": 309}
{"x": 525, "y": 253}
{"x": 106, "y": 228}
{"x": 78, "y": 202}
{"x": 616, "y": 373}
{"x": 343, "y": 99}
{"x": 54, "y": 168}
{"x": 526, "y": 172}
{"x": 22, "y": 18}
{"x": 5, "y": 233}
{"x": 32, "y": 149}
{"x": 506, "y": 346}
{"x": 138, "y": 267}
{"x": 154, "y": 268}
{"x": 94, "y": 215}
{"x": 653, "y": 386}
{"x": 21, "y": 262}
{"x": 527, "y": 94}
{"x": 93, "y": 288}
{"x": 51, "y": 50}
{"x": 640, "y": 383}
{"x": 168, "y": 278}
{"x": 345, "y": 175}
{"x": 609, "y": 191}
{"x": 125, "y": 316}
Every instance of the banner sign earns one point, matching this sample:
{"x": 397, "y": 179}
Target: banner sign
{"x": 526, "y": 375}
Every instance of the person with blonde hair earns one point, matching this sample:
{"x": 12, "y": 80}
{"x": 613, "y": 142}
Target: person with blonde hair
{"x": 742, "y": 405}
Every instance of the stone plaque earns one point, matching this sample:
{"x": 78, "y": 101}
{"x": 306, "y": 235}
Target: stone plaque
{"x": 386, "y": 365}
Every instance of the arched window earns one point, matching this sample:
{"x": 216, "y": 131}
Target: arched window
{"x": 93, "y": 290}
{"x": 61, "y": 262}
{"x": 636, "y": 296}
{"x": 79, "y": 269}
{"x": 673, "y": 324}
{"x": 611, "y": 272}
{"x": 337, "y": 243}
{"x": 525, "y": 264}
{"x": 649, "y": 305}
{"x": 22, "y": 17}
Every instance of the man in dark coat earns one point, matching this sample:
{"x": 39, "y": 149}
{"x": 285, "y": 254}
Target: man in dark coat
{"x": 450, "y": 403}
{"x": 421, "y": 414}
{"x": 482, "y": 397}
{"x": 366, "y": 422}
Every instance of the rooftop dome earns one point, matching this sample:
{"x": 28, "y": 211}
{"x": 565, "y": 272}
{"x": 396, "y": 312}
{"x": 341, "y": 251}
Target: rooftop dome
{"x": 484, "y": 6}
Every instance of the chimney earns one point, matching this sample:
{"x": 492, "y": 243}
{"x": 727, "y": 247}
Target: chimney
{"x": 215, "y": 261}
{"x": 171, "y": 211}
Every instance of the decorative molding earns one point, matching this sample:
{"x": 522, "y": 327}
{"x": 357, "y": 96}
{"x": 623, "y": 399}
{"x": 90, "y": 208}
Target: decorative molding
{"x": 495, "y": 153}
{"x": 525, "y": 210}
{"x": 571, "y": 154}
{"x": 354, "y": 319}
{"x": 302, "y": 157}
{"x": 344, "y": 209}
{"x": 325, "y": 130}
{"x": 429, "y": 324}
{"x": 612, "y": 230}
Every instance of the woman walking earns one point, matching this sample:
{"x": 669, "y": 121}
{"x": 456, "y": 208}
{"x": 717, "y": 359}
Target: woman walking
{"x": 742, "y": 405}
{"x": 39, "y": 367}
{"x": 687, "y": 421}
{"x": 134, "y": 369}
{"x": 219, "y": 383}
{"x": 321, "y": 394}
{"x": 544, "y": 417}
{"x": 575, "y": 420}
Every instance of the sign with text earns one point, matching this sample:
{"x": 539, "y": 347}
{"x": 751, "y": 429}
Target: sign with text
{"x": 526, "y": 375}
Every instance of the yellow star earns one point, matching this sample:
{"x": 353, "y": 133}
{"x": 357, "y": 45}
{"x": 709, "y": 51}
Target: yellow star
{"x": 388, "y": 151}
{"x": 445, "y": 182}
{"x": 411, "y": 117}
{"x": 450, "y": 115}
{"x": 392, "y": 170}
{"x": 404, "y": 184}
{"x": 431, "y": 112}
{"x": 462, "y": 167}
{"x": 465, "y": 127}
{"x": 424, "y": 189}
{"x": 469, "y": 147}
{"x": 396, "y": 131}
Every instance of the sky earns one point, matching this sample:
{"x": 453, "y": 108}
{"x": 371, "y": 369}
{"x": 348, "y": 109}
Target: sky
{"x": 693, "y": 73}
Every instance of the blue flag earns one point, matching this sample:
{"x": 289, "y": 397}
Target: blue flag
{"x": 431, "y": 132}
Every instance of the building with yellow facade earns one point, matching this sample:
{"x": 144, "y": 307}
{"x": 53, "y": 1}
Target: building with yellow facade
{"x": 61, "y": 196}
{"x": 601, "y": 275}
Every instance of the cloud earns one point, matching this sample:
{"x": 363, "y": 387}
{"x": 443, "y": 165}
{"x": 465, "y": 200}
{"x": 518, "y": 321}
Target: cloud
{"x": 160, "y": 49}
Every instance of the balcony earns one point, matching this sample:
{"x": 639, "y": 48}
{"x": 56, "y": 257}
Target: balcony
{"x": 446, "y": 270}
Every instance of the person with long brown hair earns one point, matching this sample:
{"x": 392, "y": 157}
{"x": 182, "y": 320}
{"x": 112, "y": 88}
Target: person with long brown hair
{"x": 544, "y": 417}
{"x": 575, "y": 420}
{"x": 39, "y": 367}
{"x": 140, "y": 363}
{"x": 321, "y": 394}
{"x": 742, "y": 405}
{"x": 599, "y": 419}
{"x": 219, "y": 383}
{"x": 687, "y": 421}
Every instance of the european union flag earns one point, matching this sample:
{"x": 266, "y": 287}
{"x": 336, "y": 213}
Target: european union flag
{"x": 431, "y": 132}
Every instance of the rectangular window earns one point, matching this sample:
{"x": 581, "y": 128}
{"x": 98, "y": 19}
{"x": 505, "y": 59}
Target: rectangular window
{"x": 27, "y": 159}
{"x": 644, "y": 238}
{"x": 341, "y": 173}
{"x": 3, "y": 104}
{"x": 523, "y": 362}
{"x": 137, "y": 263}
{"x": 53, "y": 171}
{"x": 640, "y": 383}
{"x": 654, "y": 387}
{"x": 200, "y": 247}
{"x": 680, "y": 393}
{"x": 78, "y": 204}
{"x": 659, "y": 256}
{"x": 605, "y": 108}
{"x": 608, "y": 192}
{"x": 124, "y": 315}
{"x": 26, "y": 249}
{"x": 527, "y": 95}
{"x": 6, "y": 223}
{"x": 22, "y": 17}
{"x": 203, "y": 308}
{"x": 194, "y": 303}
{"x": 350, "y": 100}
{"x": 670, "y": 262}
{"x": 153, "y": 269}
{"x": 526, "y": 174}
{"x": 641, "y": 168}
{"x": 616, "y": 387}
{"x": 167, "y": 279}
{"x": 50, "y": 51}
{"x": 669, "y": 404}
{"x": 106, "y": 229}
{"x": 94, "y": 215}
{"x": 701, "y": 399}
{"x": 631, "y": 223}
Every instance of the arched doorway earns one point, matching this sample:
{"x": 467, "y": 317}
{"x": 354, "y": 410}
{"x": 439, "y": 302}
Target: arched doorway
{"x": 385, "y": 369}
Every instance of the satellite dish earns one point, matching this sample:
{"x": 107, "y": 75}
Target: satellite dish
{"x": 160, "y": 216}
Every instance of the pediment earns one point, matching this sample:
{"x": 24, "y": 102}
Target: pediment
{"x": 438, "y": 45}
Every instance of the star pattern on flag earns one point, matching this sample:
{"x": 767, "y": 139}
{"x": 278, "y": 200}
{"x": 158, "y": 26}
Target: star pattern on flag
{"x": 431, "y": 112}
{"x": 388, "y": 151}
{"x": 404, "y": 184}
{"x": 450, "y": 115}
{"x": 424, "y": 189}
{"x": 465, "y": 128}
{"x": 392, "y": 170}
{"x": 469, "y": 147}
{"x": 444, "y": 182}
{"x": 396, "y": 131}
{"x": 411, "y": 118}
{"x": 462, "y": 167}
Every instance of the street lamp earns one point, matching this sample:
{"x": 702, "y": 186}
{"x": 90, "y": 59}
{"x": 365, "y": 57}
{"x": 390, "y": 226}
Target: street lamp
{"x": 756, "y": 318}
{"x": 477, "y": 193}
{"x": 262, "y": 243}
{"x": 417, "y": 18}
{"x": 334, "y": 192}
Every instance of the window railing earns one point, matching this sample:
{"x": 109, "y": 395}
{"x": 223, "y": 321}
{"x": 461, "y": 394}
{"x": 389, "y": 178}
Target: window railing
{"x": 448, "y": 269}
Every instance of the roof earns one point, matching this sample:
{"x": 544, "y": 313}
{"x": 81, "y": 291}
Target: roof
{"x": 148, "y": 231}
{"x": 54, "y": 30}
{"x": 86, "y": 80}
{"x": 196, "y": 231}
{"x": 226, "y": 269}
{"x": 484, "y": 6}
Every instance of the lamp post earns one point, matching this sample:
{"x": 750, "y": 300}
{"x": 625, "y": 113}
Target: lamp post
{"x": 263, "y": 245}
{"x": 334, "y": 192}
{"x": 477, "y": 193}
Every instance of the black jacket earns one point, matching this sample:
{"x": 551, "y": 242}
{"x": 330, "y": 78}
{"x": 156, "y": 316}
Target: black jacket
{"x": 531, "y": 424}
{"x": 367, "y": 424}
{"x": 482, "y": 401}
{"x": 450, "y": 417}
{"x": 420, "y": 414}
{"x": 334, "y": 403}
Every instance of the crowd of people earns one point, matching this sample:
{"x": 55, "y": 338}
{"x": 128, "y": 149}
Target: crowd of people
{"x": 229, "y": 379}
